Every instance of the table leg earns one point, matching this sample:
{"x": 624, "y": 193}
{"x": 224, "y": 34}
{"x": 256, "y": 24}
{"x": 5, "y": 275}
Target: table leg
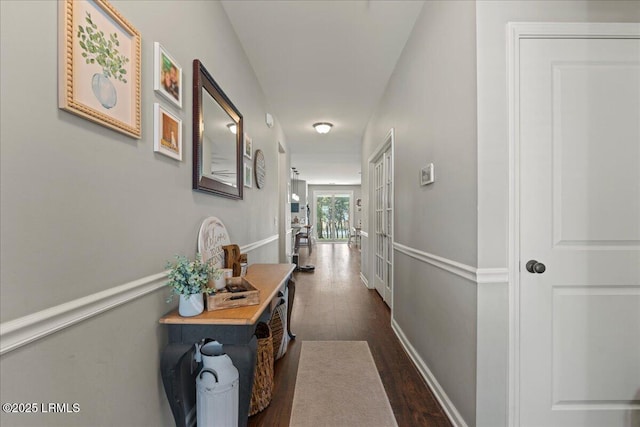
{"x": 291, "y": 284}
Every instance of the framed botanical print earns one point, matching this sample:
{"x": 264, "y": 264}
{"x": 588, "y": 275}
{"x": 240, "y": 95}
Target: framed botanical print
{"x": 167, "y": 75}
{"x": 167, "y": 135}
{"x": 99, "y": 66}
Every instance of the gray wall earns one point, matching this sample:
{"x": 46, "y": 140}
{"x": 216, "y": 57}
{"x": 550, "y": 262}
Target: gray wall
{"x": 85, "y": 209}
{"x": 430, "y": 102}
{"x": 457, "y": 328}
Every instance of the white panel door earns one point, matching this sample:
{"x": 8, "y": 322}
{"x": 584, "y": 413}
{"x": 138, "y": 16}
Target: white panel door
{"x": 579, "y": 323}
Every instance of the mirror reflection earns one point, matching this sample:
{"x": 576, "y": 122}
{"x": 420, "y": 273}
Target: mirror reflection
{"x": 217, "y": 151}
{"x": 218, "y": 143}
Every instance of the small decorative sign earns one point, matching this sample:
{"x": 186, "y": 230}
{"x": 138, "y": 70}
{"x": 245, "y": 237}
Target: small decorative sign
{"x": 211, "y": 239}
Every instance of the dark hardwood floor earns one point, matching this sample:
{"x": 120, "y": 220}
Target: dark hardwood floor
{"x": 333, "y": 304}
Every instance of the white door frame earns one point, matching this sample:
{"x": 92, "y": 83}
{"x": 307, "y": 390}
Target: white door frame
{"x": 517, "y": 32}
{"x": 284, "y": 206}
{"x": 313, "y": 208}
{"x": 389, "y": 143}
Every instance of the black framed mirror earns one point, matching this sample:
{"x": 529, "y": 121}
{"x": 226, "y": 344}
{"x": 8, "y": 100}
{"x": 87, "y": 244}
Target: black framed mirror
{"x": 217, "y": 149}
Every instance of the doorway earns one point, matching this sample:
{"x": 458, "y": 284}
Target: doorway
{"x": 333, "y": 215}
{"x": 381, "y": 195}
{"x": 576, "y": 342}
{"x": 285, "y": 245}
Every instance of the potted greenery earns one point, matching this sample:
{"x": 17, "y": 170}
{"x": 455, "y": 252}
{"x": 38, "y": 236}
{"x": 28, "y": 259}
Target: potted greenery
{"x": 188, "y": 279}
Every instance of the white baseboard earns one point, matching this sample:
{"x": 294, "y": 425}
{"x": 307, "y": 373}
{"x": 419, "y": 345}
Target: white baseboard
{"x": 446, "y": 403}
{"x": 364, "y": 280}
{"x": 24, "y": 330}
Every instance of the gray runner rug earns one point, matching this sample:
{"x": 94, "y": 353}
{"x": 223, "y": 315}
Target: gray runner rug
{"x": 338, "y": 385}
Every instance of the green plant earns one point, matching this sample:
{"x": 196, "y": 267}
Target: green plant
{"x": 97, "y": 49}
{"x": 189, "y": 277}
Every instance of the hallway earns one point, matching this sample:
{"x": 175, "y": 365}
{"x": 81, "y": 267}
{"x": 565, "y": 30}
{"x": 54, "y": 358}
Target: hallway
{"x": 333, "y": 304}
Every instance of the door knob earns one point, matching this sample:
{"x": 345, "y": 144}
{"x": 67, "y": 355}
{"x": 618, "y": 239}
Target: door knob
{"x": 534, "y": 266}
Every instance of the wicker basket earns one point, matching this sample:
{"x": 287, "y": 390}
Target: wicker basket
{"x": 277, "y": 332}
{"x": 278, "y": 326}
{"x": 263, "y": 379}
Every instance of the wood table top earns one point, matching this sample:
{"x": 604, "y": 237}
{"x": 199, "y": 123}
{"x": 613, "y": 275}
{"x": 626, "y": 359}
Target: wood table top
{"x": 268, "y": 278}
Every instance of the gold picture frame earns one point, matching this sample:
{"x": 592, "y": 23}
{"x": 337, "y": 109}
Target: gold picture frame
{"x": 103, "y": 88}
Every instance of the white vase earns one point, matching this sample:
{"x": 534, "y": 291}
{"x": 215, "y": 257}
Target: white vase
{"x": 104, "y": 90}
{"x": 191, "y": 305}
{"x": 219, "y": 283}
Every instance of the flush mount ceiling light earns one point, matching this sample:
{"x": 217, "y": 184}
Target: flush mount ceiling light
{"x": 233, "y": 128}
{"x": 323, "y": 127}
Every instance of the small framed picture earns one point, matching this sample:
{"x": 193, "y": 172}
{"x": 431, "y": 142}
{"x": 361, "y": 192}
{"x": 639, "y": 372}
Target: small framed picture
{"x": 248, "y": 146}
{"x": 248, "y": 175}
{"x": 427, "y": 175}
{"x": 167, "y": 135}
{"x": 167, "y": 76}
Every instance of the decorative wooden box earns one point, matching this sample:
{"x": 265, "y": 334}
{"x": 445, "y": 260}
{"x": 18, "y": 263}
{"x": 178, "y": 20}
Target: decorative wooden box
{"x": 237, "y": 294}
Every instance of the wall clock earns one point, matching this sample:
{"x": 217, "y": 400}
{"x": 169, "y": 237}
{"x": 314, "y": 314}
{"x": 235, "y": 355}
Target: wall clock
{"x": 259, "y": 168}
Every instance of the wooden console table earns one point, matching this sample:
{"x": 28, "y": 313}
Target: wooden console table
{"x": 234, "y": 328}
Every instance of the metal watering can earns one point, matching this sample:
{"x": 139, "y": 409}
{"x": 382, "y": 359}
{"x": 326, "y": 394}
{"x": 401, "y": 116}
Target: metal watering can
{"x": 217, "y": 387}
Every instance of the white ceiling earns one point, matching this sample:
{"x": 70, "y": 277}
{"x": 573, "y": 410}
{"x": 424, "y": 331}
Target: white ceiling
{"x": 323, "y": 61}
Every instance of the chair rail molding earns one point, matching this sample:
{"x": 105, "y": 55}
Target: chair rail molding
{"x": 24, "y": 330}
{"x": 473, "y": 274}
{"x": 27, "y": 329}
{"x": 255, "y": 245}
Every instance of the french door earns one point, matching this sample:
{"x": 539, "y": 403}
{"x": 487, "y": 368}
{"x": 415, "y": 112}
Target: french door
{"x": 333, "y": 216}
{"x": 383, "y": 222}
